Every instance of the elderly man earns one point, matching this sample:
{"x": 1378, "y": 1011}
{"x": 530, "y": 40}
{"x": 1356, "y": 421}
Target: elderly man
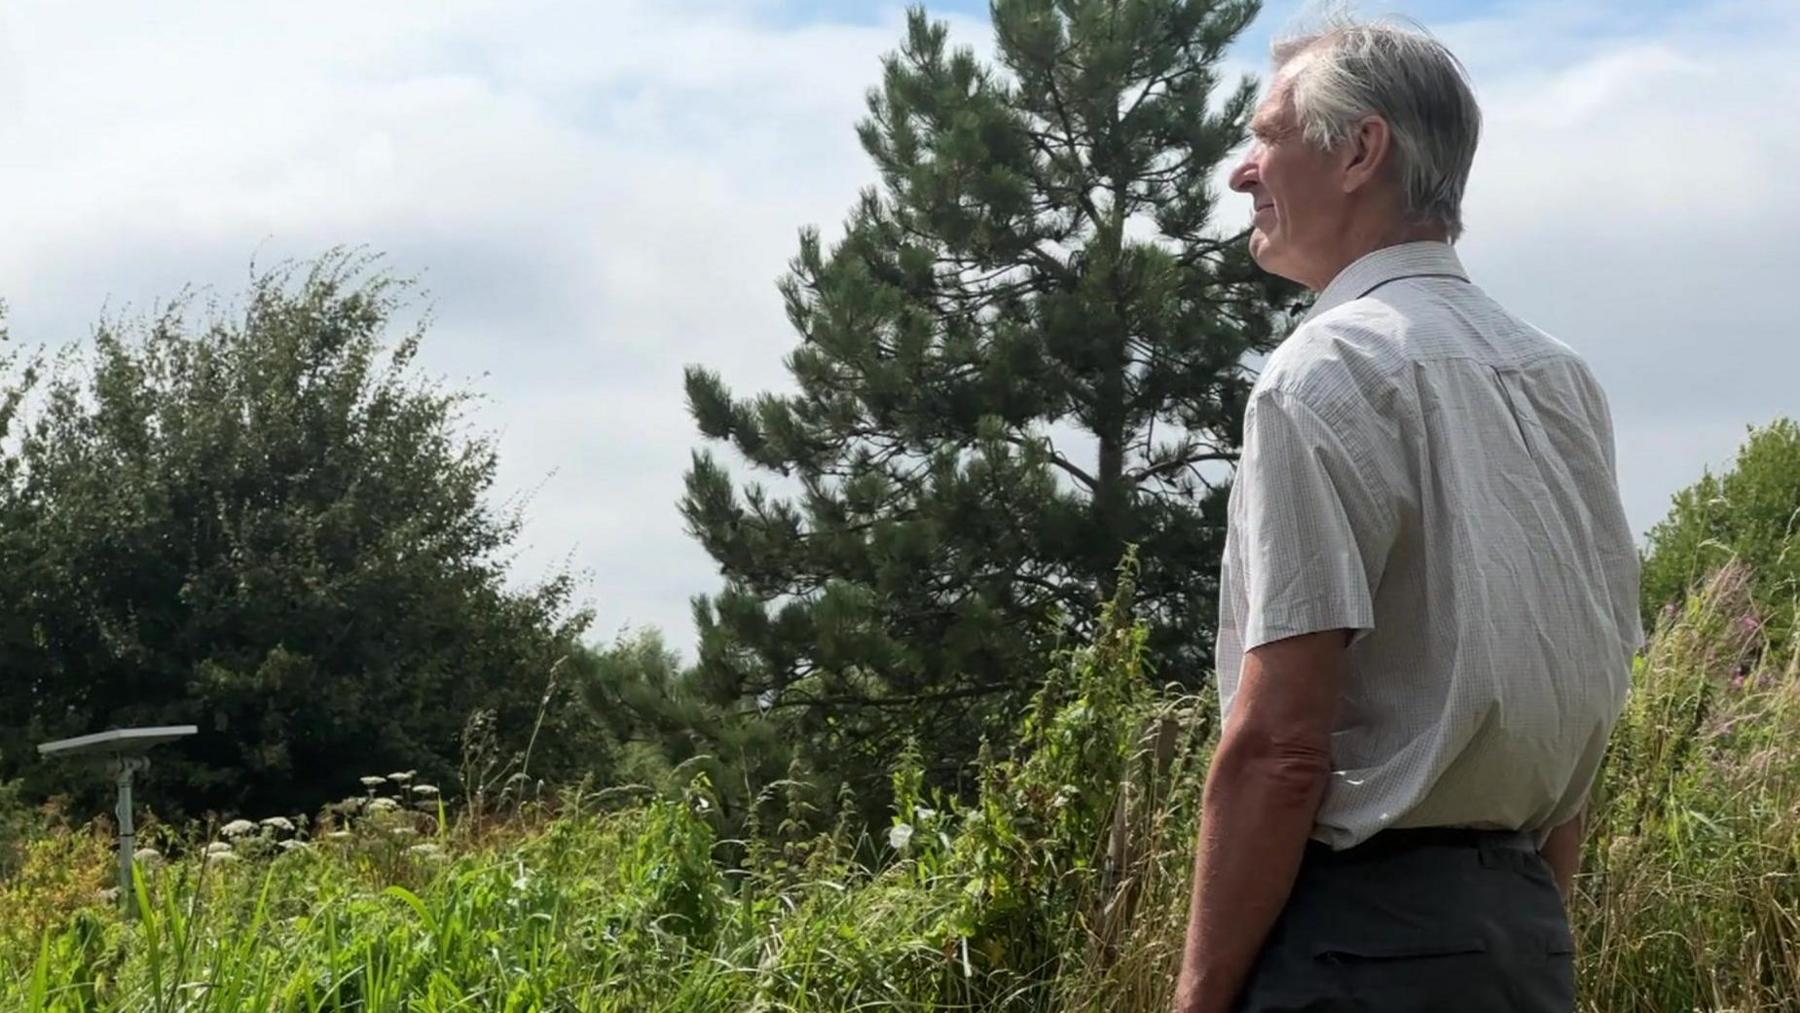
{"x": 1429, "y": 592}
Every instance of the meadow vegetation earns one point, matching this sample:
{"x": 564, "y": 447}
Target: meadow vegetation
{"x": 1059, "y": 884}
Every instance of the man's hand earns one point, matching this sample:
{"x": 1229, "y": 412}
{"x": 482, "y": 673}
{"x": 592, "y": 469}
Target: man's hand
{"x": 1262, "y": 796}
{"x": 1562, "y": 849}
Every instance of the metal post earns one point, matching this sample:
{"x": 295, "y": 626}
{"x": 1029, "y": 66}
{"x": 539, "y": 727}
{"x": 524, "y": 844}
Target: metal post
{"x": 125, "y": 746}
{"x": 127, "y": 766}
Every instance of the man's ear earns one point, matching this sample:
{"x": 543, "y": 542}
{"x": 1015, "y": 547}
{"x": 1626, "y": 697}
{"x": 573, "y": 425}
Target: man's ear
{"x": 1367, "y": 152}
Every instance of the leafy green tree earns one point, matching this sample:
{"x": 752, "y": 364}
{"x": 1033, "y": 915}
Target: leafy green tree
{"x": 1027, "y": 352}
{"x": 1750, "y": 512}
{"x": 269, "y": 525}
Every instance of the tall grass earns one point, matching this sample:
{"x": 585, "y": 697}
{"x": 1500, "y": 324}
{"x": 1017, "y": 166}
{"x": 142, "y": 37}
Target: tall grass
{"x": 1692, "y": 894}
{"x": 1061, "y": 885}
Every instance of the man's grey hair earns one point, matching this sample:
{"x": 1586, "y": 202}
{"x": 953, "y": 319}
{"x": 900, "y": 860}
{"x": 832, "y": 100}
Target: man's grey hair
{"x": 1411, "y": 80}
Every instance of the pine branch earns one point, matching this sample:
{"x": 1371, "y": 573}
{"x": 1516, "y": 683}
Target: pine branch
{"x": 1074, "y": 470}
{"x": 964, "y": 693}
{"x": 1084, "y": 199}
{"x": 1162, "y": 468}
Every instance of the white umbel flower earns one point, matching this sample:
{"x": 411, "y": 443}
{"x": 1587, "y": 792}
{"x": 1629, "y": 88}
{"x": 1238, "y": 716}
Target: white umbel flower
{"x": 899, "y": 836}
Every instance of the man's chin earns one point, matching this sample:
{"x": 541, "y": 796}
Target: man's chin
{"x": 1260, "y": 250}
{"x": 1267, "y": 256}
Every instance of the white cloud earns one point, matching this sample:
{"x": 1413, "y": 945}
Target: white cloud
{"x": 1636, "y": 196}
{"x": 597, "y": 195}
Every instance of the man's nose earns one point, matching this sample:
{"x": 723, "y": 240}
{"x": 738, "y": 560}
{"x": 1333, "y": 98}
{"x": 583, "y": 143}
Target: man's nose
{"x": 1245, "y": 173}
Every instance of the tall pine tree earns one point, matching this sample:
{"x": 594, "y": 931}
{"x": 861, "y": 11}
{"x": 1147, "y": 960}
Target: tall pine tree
{"x": 1027, "y": 352}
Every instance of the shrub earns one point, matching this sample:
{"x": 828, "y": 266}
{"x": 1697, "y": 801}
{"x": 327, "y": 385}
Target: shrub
{"x": 1750, "y": 512}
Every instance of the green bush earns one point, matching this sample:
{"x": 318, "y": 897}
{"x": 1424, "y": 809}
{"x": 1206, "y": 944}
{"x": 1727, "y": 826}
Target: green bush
{"x": 266, "y": 521}
{"x": 1750, "y": 512}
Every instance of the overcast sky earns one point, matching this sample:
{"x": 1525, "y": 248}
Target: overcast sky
{"x": 596, "y": 194}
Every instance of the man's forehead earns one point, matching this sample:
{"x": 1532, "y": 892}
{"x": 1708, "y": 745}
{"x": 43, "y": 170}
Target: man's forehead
{"x": 1276, "y": 107}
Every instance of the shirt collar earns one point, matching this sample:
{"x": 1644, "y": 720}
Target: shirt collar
{"x": 1390, "y": 263}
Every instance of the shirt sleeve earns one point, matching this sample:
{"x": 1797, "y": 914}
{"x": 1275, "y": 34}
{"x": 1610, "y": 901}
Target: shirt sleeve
{"x": 1315, "y": 523}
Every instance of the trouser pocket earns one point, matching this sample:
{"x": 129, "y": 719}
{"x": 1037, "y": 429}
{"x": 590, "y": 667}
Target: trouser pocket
{"x": 1378, "y": 952}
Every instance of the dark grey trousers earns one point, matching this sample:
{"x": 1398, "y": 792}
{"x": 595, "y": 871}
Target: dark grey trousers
{"x": 1451, "y": 922}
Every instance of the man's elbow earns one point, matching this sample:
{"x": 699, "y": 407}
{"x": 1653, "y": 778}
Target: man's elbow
{"x": 1282, "y": 766}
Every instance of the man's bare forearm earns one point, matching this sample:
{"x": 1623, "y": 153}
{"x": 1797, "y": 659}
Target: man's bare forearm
{"x": 1562, "y": 849}
{"x": 1260, "y": 803}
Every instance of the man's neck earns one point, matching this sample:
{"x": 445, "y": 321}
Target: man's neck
{"x": 1357, "y": 243}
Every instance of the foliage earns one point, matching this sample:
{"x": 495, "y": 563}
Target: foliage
{"x": 1691, "y": 892}
{"x": 1026, "y": 352}
{"x": 59, "y": 875}
{"x": 1751, "y": 511}
{"x": 17, "y": 821}
{"x": 264, "y": 522}
{"x": 1062, "y": 885}
{"x": 666, "y": 731}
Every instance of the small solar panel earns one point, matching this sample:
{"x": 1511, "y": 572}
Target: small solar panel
{"x": 116, "y": 742}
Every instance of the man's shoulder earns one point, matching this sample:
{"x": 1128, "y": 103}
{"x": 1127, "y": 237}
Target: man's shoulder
{"x": 1349, "y": 353}
{"x": 1363, "y": 346}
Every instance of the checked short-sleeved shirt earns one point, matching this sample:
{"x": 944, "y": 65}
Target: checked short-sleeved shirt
{"x": 1426, "y": 469}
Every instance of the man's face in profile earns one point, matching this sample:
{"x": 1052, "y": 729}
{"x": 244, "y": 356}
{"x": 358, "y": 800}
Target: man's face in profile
{"x": 1294, "y": 186}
